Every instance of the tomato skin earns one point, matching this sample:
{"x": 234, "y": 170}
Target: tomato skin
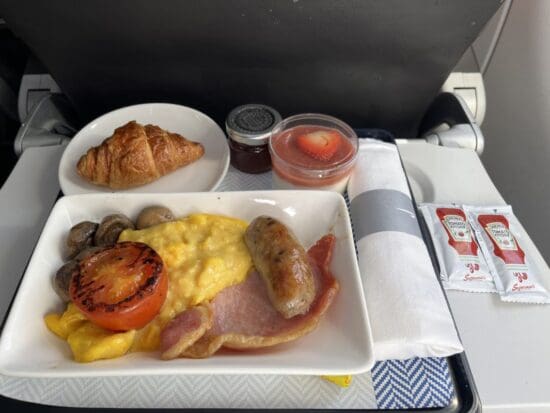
{"x": 120, "y": 287}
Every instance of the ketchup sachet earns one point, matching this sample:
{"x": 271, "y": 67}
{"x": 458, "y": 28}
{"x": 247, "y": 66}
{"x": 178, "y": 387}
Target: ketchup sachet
{"x": 517, "y": 276}
{"x": 461, "y": 262}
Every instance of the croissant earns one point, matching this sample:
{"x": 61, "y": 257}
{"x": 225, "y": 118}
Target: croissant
{"x": 136, "y": 155}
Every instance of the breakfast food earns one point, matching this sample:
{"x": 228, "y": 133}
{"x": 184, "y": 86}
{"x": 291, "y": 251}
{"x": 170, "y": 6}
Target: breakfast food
{"x": 152, "y": 216}
{"x": 312, "y": 152}
{"x": 80, "y": 237}
{"x": 284, "y": 265}
{"x": 62, "y": 280}
{"x": 187, "y": 287}
{"x": 321, "y": 144}
{"x": 248, "y": 130}
{"x": 83, "y": 240}
{"x": 185, "y": 330}
{"x": 243, "y": 317}
{"x": 136, "y": 155}
{"x": 110, "y": 228}
{"x": 203, "y": 254}
{"x": 121, "y": 287}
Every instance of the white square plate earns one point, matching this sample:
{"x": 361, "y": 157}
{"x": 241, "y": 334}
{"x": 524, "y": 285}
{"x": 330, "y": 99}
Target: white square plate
{"x": 342, "y": 344}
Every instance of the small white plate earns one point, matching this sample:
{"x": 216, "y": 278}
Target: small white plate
{"x": 342, "y": 343}
{"x": 204, "y": 174}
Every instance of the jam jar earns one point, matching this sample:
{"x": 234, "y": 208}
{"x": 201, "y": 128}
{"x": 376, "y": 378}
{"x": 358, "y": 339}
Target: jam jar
{"x": 249, "y": 128}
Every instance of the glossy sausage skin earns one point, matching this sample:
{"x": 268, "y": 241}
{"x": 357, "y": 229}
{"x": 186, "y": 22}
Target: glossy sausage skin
{"x": 283, "y": 264}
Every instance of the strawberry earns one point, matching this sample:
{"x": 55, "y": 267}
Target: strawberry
{"x": 321, "y": 144}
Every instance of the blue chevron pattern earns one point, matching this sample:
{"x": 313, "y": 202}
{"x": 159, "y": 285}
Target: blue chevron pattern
{"x": 415, "y": 383}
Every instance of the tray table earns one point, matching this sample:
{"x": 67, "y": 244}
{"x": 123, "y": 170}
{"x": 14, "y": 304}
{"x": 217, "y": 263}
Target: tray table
{"x": 428, "y": 383}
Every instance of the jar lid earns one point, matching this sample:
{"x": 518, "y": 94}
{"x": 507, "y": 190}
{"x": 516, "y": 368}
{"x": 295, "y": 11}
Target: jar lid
{"x": 251, "y": 124}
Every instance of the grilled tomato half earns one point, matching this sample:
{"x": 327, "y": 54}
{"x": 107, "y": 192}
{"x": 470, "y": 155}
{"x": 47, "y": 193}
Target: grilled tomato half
{"x": 120, "y": 287}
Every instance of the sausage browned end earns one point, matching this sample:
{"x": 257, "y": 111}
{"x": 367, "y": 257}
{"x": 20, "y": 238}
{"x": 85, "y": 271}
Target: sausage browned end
{"x": 283, "y": 264}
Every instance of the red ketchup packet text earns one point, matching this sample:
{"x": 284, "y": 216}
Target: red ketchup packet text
{"x": 462, "y": 265}
{"x": 516, "y": 275}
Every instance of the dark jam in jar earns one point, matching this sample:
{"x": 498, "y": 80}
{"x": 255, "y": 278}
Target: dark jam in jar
{"x": 250, "y": 159}
{"x": 249, "y": 128}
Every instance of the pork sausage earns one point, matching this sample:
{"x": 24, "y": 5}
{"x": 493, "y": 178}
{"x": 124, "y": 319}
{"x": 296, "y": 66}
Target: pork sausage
{"x": 283, "y": 264}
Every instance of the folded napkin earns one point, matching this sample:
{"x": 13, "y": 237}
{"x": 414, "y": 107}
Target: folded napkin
{"x": 407, "y": 308}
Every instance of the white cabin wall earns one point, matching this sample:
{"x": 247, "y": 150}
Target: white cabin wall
{"x": 517, "y": 122}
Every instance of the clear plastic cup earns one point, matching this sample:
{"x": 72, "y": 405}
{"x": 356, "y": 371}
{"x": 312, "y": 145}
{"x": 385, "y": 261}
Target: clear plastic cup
{"x": 295, "y": 169}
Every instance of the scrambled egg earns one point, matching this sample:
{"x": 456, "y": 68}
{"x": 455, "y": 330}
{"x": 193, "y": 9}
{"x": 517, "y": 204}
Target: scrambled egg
{"x": 203, "y": 255}
{"x": 342, "y": 381}
{"x": 88, "y": 342}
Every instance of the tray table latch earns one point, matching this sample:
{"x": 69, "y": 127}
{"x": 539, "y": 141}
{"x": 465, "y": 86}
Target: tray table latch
{"x": 449, "y": 122}
{"x": 52, "y": 121}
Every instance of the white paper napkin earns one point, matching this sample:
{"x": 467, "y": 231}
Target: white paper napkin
{"x": 408, "y": 311}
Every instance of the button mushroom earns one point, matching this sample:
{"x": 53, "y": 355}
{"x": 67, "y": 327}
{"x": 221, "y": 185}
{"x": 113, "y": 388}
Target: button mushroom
{"x": 80, "y": 236}
{"x": 153, "y": 215}
{"x": 62, "y": 279}
{"x": 85, "y": 253}
{"x": 110, "y": 228}
{"x": 64, "y": 274}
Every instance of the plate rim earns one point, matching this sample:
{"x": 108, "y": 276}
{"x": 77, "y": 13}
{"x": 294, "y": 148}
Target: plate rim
{"x": 63, "y": 160}
{"x": 367, "y": 359}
